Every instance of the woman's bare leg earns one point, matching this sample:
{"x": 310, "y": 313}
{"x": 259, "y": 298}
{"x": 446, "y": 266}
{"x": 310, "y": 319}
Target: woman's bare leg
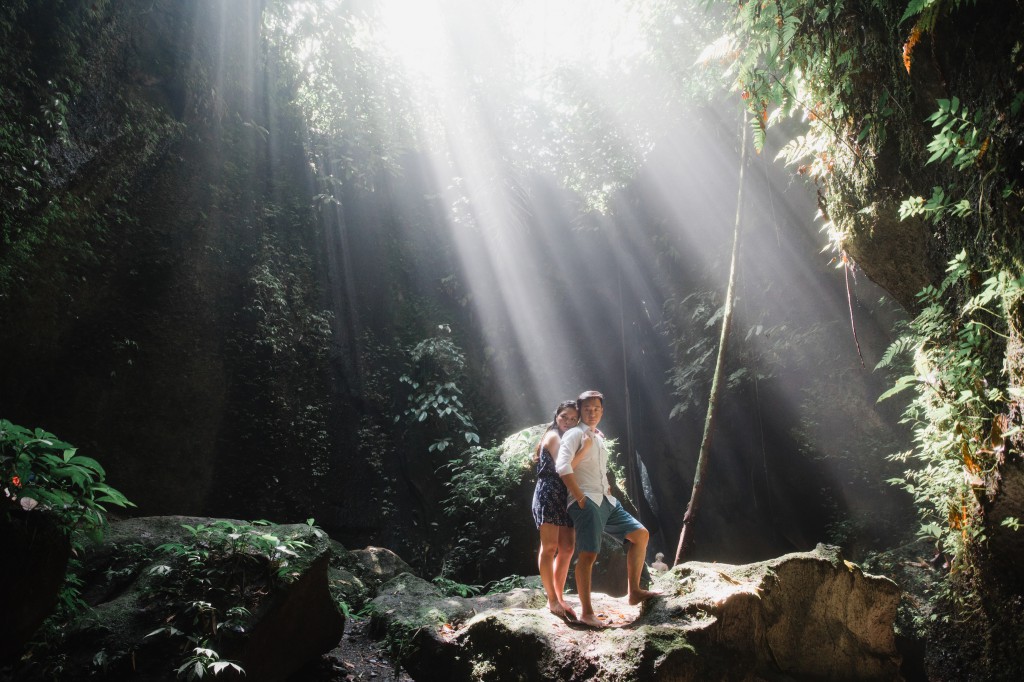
{"x": 546, "y": 566}
{"x": 566, "y": 545}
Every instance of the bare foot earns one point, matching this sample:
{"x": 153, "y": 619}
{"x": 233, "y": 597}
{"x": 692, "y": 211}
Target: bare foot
{"x": 637, "y": 596}
{"x": 570, "y": 615}
{"x": 592, "y": 620}
{"x": 558, "y": 609}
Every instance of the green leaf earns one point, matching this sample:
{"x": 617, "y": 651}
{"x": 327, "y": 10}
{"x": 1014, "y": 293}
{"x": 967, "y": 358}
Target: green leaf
{"x": 1017, "y": 104}
{"x": 902, "y": 384}
{"x": 89, "y": 463}
{"x": 913, "y": 9}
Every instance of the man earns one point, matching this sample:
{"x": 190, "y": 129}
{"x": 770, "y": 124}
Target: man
{"x": 592, "y": 508}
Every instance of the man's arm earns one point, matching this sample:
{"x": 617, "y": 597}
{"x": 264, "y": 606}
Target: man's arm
{"x": 575, "y": 492}
{"x": 571, "y": 441}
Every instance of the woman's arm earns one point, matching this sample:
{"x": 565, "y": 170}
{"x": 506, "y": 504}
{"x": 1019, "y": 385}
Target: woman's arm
{"x": 551, "y": 442}
{"x": 584, "y": 448}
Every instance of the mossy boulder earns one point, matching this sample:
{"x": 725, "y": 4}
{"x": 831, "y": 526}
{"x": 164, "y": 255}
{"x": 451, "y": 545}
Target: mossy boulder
{"x": 150, "y": 606}
{"x": 356, "y": 575}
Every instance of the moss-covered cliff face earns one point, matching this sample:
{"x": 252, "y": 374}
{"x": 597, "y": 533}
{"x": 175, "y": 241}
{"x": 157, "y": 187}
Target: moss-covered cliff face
{"x": 933, "y": 166}
{"x": 175, "y": 300}
{"x": 867, "y": 78}
{"x": 161, "y": 303}
{"x": 968, "y": 51}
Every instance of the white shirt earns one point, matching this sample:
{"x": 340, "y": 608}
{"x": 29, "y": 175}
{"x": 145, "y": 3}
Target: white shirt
{"x": 592, "y": 469}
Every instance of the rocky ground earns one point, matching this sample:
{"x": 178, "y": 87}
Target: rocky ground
{"x": 357, "y": 657}
{"x": 808, "y": 614}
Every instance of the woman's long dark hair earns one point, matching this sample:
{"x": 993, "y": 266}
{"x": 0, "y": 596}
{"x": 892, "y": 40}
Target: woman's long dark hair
{"x": 564, "y": 405}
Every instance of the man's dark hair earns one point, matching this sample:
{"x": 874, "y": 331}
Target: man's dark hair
{"x": 588, "y": 394}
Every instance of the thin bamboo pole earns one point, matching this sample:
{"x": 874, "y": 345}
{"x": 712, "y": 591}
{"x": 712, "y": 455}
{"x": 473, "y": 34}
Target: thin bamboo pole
{"x": 716, "y": 381}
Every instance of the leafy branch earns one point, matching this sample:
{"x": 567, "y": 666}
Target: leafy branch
{"x": 41, "y": 471}
{"x": 436, "y": 398}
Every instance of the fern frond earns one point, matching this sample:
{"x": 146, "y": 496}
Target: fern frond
{"x": 718, "y": 51}
{"x": 899, "y": 347}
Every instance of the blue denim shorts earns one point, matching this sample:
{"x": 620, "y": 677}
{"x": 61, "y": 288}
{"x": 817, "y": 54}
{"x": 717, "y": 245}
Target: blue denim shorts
{"x": 593, "y": 520}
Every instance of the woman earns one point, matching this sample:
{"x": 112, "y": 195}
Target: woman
{"x": 550, "y": 499}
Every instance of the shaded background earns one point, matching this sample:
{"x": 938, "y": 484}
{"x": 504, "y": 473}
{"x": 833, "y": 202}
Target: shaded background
{"x": 182, "y": 299}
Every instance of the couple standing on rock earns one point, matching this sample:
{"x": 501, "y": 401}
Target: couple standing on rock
{"x": 573, "y": 506}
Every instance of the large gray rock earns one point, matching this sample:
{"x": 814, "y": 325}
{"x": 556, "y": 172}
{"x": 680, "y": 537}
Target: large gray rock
{"x": 356, "y": 575}
{"x": 378, "y": 565}
{"x": 808, "y": 615}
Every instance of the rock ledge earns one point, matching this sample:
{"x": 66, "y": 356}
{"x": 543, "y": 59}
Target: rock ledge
{"x": 799, "y": 616}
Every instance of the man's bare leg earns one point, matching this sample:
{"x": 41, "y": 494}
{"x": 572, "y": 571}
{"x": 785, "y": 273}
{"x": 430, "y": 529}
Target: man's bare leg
{"x": 634, "y": 566}
{"x": 584, "y": 568}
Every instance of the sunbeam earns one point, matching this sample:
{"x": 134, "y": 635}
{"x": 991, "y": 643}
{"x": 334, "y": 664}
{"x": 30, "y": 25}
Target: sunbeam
{"x": 583, "y": 168}
{"x": 361, "y": 263}
{"x": 500, "y": 88}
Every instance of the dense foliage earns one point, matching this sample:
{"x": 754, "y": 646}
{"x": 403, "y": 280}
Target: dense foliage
{"x": 483, "y": 481}
{"x": 176, "y": 609}
{"x": 43, "y": 475}
{"x": 959, "y": 411}
{"x": 207, "y": 589}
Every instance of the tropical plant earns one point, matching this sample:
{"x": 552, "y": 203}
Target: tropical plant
{"x": 223, "y": 549}
{"x": 204, "y": 661}
{"x": 509, "y": 583}
{"x": 483, "y": 480}
{"x": 40, "y": 471}
{"x": 454, "y": 588}
{"x": 971, "y": 144}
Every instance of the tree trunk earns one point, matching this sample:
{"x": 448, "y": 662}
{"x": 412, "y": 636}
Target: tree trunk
{"x": 716, "y": 383}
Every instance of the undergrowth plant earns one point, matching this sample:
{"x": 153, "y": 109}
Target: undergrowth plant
{"x": 958, "y": 413}
{"x": 482, "y": 481}
{"x": 453, "y": 588}
{"x": 41, "y": 474}
{"x": 212, "y": 580}
{"x": 204, "y": 661}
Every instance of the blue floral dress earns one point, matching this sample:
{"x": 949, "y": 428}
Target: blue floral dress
{"x": 550, "y": 497}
